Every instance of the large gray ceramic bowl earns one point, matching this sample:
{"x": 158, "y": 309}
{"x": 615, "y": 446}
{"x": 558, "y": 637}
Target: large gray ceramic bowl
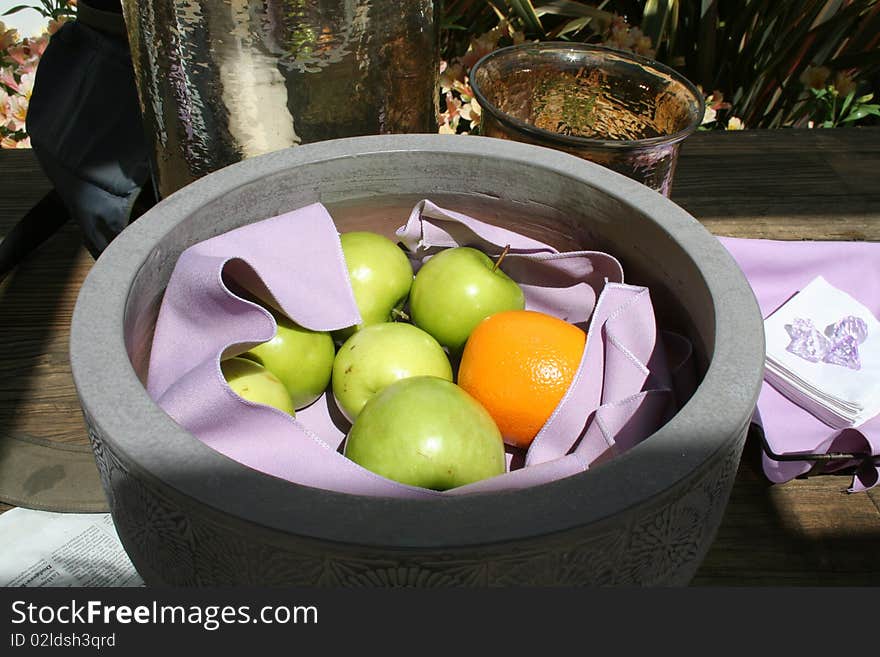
{"x": 188, "y": 515}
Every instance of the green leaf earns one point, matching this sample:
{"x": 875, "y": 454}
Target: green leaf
{"x": 452, "y": 23}
{"x": 573, "y": 9}
{"x": 656, "y": 19}
{"x": 862, "y": 112}
{"x": 17, "y": 9}
{"x": 803, "y": 31}
{"x": 826, "y": 13}
{"x": 707, "y": 34}
{"x": 571, "y": 27}
{"x": 847, "y": 101}
{"x": 498, "y": 13}
{"x": 526, "y": 12}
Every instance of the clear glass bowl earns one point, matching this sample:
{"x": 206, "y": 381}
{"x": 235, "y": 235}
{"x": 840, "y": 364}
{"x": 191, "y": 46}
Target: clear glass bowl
{"x": 617, "y": 109}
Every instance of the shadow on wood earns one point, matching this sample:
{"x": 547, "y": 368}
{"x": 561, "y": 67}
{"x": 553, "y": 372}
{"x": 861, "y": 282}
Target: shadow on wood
{"x": 38, "y": 405}
{"x": 807, "y": 532}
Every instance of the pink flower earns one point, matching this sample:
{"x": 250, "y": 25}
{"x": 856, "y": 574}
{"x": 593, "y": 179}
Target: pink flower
{"x": 471, "y": 112}
{"x": 8, "y": 78}
{"x": 714, "y": 104}
{"x": 449, "y": 119}
{"x": 447, "y": 129}
{"x": 463, "y": 89}
{"x": 709, "y": 115}
{"x": 7, "y": 37}
{"x": 453, "y": 105}
{"x": 450, "y": 75}
{"x": 55, "y": 25}
{"x": 624, "y": 37}
{"x": 4, "y": 108}
{"x": 618, "y": 35}
{"x": 26, "y": 85}
{"x": 454, "y": 82}
{"x": 28, "y": 51}
{"x": 9, "y": 141}
{"x": 28, "y": 68}
{"x": 38, "y": 45}
{"x": 19, "y": 53}
{"x": 715, "y": 100}
{"x": 735, "y": 123}
{"x": 17, "y": 107}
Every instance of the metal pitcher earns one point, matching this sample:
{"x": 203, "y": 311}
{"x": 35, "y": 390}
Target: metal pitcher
{"x": 224, "y": 80}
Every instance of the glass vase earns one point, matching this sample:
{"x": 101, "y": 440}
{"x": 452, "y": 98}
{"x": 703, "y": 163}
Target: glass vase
{"x": 620, "y": 110}
{"x": 224, "y": 80}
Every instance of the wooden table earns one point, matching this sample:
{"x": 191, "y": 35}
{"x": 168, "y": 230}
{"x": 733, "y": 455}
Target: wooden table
{"x": 820, "y": 184}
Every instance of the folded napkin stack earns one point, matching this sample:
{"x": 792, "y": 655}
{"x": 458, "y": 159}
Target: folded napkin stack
{"x": 823, "y": 353}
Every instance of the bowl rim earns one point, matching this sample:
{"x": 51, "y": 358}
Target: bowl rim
{"x": 118, "y": 408}
{"x": 572, "y": 141}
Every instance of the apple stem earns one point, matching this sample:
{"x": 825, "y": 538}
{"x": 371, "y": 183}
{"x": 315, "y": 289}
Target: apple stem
{"x": 399, "y": 315}
{"x": 501, "y": 257}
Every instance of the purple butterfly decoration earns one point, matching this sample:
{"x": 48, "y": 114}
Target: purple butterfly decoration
{"x": 838, "y": 345}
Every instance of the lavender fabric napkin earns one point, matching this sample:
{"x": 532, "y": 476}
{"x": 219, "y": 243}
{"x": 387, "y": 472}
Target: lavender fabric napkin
{"x": 621, "y": 394}
{"x": 777, "y": 270}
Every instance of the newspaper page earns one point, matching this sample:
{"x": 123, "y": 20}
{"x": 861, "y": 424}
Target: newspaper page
{"x": 39, "y": 548}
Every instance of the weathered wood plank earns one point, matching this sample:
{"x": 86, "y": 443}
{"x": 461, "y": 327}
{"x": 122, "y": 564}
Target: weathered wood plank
{"x": 22, "y": 184}
{"x": 37, "y": 397}
{"x": 783, "y": 184}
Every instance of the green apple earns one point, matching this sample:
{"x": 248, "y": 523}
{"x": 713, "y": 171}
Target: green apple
{"x": 301, "y": 358}
{"x": 455, "y": 290}
{"x": 377, "y": 356}
{"x": 255, "y": 383}
{"x": 381, "y": 276}
{"x": 426, "y": 431}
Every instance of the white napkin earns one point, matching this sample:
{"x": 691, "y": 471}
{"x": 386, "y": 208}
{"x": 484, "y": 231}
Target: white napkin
{"x": 839, "y": 395}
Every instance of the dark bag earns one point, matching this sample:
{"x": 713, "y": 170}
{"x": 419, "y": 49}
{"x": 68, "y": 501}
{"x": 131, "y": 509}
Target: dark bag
{"x": 85, "y": 127}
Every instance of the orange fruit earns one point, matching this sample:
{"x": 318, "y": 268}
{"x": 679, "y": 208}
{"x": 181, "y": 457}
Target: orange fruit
{"x": 518, "y": 364}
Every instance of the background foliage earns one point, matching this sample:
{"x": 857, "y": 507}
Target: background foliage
{"x": 769, "y": 63}
{"x": 19, "y": 58}
{"x": 761, "y": 63}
